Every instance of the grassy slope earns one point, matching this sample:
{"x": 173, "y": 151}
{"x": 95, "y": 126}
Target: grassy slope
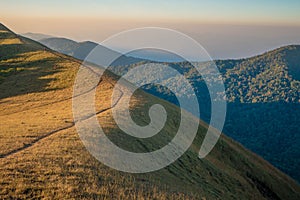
{"x": 36, "y": 100}
{"x": 263, "y": 89}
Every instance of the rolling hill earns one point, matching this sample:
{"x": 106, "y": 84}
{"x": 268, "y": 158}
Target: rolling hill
{"x": 263, "y": 90}
{"x": 42, "y": 156}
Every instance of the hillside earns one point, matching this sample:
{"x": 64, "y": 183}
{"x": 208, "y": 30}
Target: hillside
{"x": 270, "y": 77}
{"x": 41, "y": 155}
{"x": 263, "y": 90}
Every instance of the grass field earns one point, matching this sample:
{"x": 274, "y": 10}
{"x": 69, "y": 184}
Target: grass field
{"x": 42, "y": 156}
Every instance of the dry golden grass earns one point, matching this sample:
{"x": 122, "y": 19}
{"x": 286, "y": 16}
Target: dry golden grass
{"x": 62, "y": 168}
{"x": 10, "y": 41}
{"x": 58, "y": 166}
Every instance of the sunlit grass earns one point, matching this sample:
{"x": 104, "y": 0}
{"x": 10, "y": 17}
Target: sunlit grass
{"x": 10, "y": 41}
{"x": 35, "y": 99}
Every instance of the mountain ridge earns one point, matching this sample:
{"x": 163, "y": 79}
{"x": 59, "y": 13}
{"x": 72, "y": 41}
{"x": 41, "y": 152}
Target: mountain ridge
{"x": 255, "y": 86}
{"x": 59, "y": 166}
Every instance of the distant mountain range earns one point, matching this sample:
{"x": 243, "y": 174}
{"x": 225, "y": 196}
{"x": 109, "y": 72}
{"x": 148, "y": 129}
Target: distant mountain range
{"x": 80, "y": 50}
{"x": 262, "y": 90}
{"x": 36, "y": 36}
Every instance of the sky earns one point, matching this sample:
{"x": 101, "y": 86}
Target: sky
{"x": 225, "y": 28}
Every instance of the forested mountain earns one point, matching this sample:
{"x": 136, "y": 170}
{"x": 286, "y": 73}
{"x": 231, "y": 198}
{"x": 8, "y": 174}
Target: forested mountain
{"x": 270, "y": 77}
{"x": 263, "y": 94}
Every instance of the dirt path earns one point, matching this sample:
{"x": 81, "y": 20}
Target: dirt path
{"x": 46, "y": 135}
{"x": 57, "y": 130}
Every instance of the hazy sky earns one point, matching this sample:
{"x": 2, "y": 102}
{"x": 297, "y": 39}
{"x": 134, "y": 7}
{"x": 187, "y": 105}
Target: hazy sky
{"x": 227, "y": 29}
